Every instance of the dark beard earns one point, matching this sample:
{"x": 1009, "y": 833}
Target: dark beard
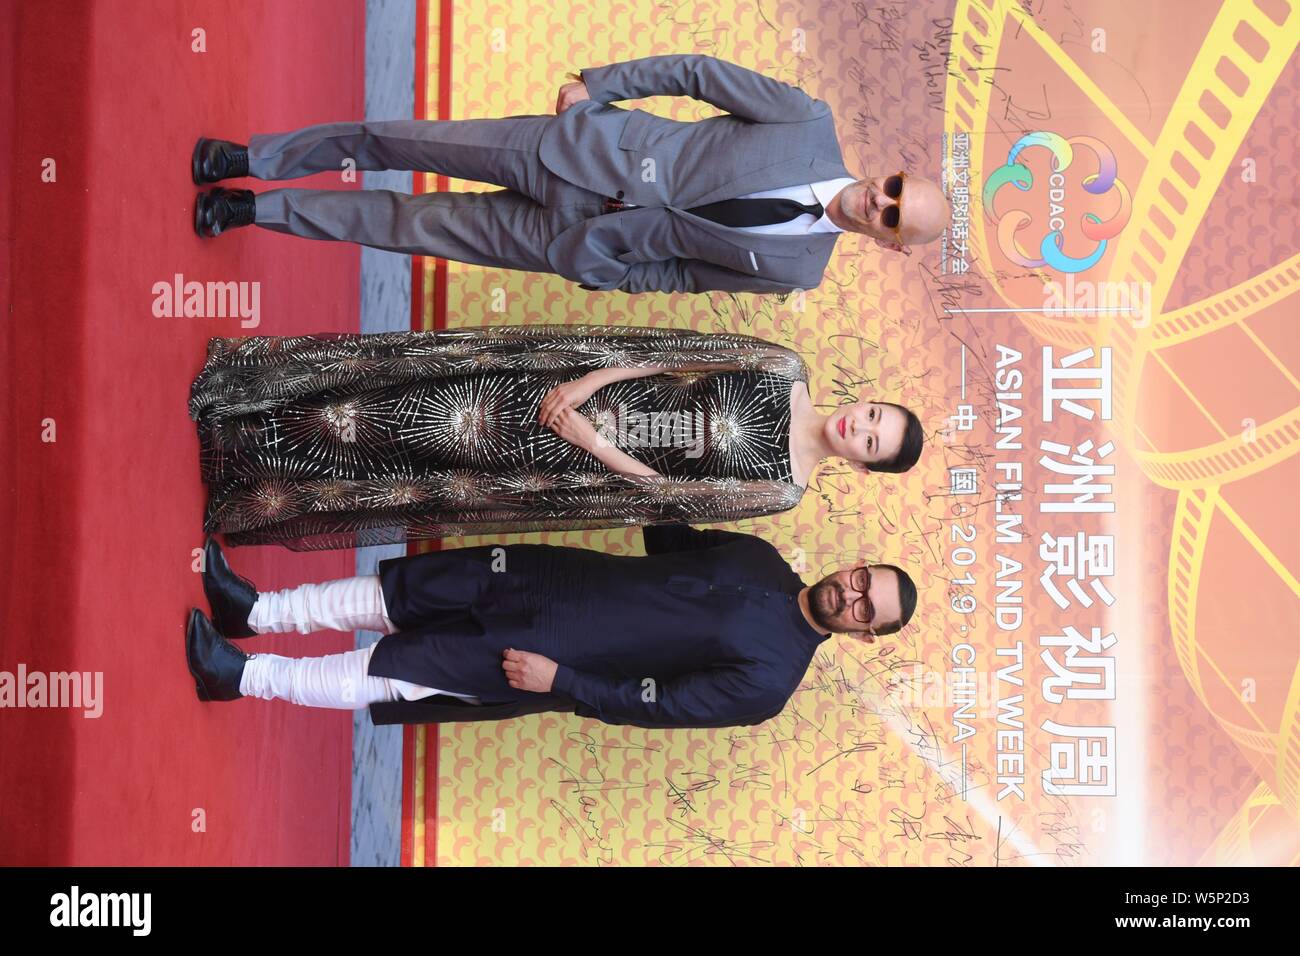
{"x": 825, "y": 602}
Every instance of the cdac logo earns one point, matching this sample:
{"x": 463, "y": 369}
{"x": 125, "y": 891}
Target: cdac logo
{"x": 1051, "y": 248}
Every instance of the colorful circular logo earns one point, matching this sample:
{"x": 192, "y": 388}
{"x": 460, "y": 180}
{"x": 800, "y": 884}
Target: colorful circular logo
{"x": 1051, "y": 249}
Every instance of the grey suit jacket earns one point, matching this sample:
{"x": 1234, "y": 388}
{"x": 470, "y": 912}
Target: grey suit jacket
{"x": 775, "y": 136}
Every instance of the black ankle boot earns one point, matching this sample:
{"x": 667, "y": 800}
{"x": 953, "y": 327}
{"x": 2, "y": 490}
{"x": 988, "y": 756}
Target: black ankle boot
{"x": 216, "y": 159}
{"x": 217, "y": 665}
{"x": 222, "y": 209}
{"x": 230, "y": 597}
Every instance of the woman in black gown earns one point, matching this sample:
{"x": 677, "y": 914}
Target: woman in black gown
{"x": 342, "y": 440}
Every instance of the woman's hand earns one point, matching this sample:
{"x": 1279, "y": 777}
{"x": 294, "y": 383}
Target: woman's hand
{"x": 569, "y": 395}
{"x": 574, "y": 428}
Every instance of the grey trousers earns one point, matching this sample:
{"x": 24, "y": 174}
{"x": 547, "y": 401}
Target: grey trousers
{"x": 509, "y": 228}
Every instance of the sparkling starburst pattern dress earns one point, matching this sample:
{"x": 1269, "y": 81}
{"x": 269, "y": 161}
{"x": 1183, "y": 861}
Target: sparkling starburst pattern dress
{"x": 342, "y": 440}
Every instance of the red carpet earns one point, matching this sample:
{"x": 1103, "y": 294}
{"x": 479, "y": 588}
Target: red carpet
{"x": 99, "y": 525}
{"x": 433, "y": 69}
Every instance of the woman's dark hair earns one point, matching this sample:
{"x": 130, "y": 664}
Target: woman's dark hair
{"x": 910, "y": 449}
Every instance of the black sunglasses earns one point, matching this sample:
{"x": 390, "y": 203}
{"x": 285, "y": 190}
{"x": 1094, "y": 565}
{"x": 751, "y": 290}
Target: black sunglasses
{"x": 891, "y": 216}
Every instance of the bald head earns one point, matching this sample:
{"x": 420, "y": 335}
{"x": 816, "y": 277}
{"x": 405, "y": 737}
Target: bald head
{"x": 864, "y": 207}
{"x": 925, "y": 211}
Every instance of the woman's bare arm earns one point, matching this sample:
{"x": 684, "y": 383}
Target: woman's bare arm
{"x": 574, "y": 428}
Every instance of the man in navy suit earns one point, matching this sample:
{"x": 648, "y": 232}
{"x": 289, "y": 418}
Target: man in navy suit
{"x": 708, "y": 629}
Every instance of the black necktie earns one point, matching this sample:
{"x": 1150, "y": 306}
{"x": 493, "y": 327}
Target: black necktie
{"x": 755, "y": 212}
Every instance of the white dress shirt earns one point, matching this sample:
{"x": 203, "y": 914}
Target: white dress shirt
{"x": 822, "y": 191}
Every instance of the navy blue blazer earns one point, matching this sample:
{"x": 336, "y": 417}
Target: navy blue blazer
{"x": 704, "y": 630}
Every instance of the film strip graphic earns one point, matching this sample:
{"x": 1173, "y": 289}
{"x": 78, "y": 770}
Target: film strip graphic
{"x": 1243, "y": 53}
{"x": 1288, "y": 751}
{"x": 1228, "y": 460}
{"x": 1192, "y": 521}
{"x": 1230, "y": 307}
{"x": 1234, "y": 846}
{"x": 1193, "y": 517}
{"x": 1248, "y": 45}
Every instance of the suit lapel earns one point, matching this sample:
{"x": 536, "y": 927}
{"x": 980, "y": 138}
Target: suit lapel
{"x": 782, "y": 245}
{"x": 788, "y": 172}
{"x": 740, "y": 243}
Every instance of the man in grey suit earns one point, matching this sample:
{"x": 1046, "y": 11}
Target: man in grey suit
{"x": 750, "y": 201}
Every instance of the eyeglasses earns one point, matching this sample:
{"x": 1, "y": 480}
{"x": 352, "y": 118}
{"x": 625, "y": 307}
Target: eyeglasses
{"x": 891, "y": 216}
{"x": 863, "y": 611}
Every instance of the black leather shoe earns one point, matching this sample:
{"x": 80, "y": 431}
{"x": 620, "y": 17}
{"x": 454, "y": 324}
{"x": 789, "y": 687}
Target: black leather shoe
{"x": 217, "y": 665}
{"x": 230, "y": 597}
{"x": 220, "y": 209}
{"x": 217, "y": 159}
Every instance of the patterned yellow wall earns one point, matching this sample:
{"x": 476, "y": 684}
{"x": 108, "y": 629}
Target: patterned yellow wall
{"x": 851, "y": 773}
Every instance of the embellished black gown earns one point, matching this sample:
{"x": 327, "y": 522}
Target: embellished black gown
{"x": 342, "y": 440}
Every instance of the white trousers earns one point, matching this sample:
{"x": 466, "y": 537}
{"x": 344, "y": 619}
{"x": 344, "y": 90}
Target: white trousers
{"x": 340, "y": 680}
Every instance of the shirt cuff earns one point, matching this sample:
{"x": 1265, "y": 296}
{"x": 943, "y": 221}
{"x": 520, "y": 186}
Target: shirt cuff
{"x": 564, "y": 681}
{"x": 591, "y": 81}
